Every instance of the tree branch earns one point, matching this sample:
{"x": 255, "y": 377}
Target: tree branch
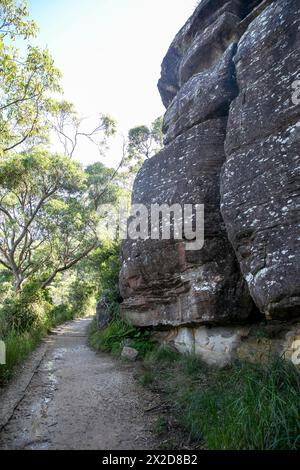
{"x": 68, "y": 265}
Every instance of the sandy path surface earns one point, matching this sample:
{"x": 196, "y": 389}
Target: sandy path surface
{"x": 77, "y": 399}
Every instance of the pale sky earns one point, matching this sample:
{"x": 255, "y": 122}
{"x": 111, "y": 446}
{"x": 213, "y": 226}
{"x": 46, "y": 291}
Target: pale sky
{"x": 110, "y": 52}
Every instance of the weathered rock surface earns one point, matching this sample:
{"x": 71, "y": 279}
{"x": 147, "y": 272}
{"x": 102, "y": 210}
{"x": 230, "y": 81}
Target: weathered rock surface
{"x": 102, "y": 314}
{"x": 219, "y": 346}
{"x": 227, "y": 84}
{"x": 260, "y": 181}
{"x": 206, "y": 95}
{"x": 216, "y": 346}
{"x": 162, "y": 283}
{"x": 129, "y": 353}
{"x": 202, "y": 41}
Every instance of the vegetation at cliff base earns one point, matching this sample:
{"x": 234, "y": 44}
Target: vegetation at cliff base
{"x": 117, "y": 333}
{"x": 243, "y": 406}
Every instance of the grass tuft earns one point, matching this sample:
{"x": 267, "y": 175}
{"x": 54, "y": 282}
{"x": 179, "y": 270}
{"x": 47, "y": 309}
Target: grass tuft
{"x": 116, "y": 335}
{"x": 159, "y": 425}
{"x": 244, "y": 406}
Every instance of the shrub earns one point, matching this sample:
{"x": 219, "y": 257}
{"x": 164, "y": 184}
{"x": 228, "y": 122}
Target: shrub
{"x": 25, "y": 319}
{"x": 25, "y": 311}
{"x": 18, "y": 346}
{"x": 60, "y": 314}
{"x": 116, "y": 335}
{"x": 146, "y": 377}
{"x": 82, "y": 298}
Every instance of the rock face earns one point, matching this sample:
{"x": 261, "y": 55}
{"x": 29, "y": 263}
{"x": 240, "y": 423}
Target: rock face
{"x": 231, "y": 140}
{"x": 102, "y": 314}
{"x": 260, "y": 180}
{"x": 161, "y": 282}
{"x": 206, "y": 95}
{"x": 218, "y": 346}
{"x": 201, "y": 42}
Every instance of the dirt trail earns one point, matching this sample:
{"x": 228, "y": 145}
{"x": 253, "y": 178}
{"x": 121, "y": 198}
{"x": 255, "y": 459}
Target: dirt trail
{"x": 78, "y": 399}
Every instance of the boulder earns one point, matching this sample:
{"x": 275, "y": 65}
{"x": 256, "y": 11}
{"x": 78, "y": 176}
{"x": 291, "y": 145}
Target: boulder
{"x": 260, "y": 180}
{"x": 164, "y": 283}
{"x": 206, "y": 95}
{"x": 202, "y": 41}
{"x": 129, "y": 353}
{"x": 232, "y": 133}
{"x": 208, "y": 46}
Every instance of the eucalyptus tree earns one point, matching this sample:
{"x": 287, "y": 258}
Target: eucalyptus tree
{"x": 26, "y": 81}
{"x": 141, "y": 144}
{"x": 69, "y": 128}
{"x": 144, "y": 142}
{"x": 47, "y": 219}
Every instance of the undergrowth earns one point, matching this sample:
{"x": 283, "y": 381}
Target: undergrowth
{"x": 24, "y": 322}
{"x": 243, "y": 406}
{"x": 118, "y": 334}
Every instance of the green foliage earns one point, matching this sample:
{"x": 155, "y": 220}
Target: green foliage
{"x": 25, "y": 82}
{"x": 142, "y": 143}
{"x": 146, "y": 377}
{"x": 157, "y": 132}
{"x": 18, "y": 347}
{"x": 95, "y": 276}
{"x": 25, "y": 311}
{"x": 116, "y": 335}
{"x": 60, "y": 314}
{"x": 139, "y": 141}
{"x": 142, "y": 341}
{"x": 24, "y": 321}
{"x": 102, "y": 189}
{"x": 110, "y": 267}
{"x": 40, "y": 173}
{"x": 160, "y": 425}
{"x": 70, "y": 129}
{"x": 52, "y": 267}
{"x": 14, "y": 20}
{"x": 162, "y": 354}
{"x": 47, "y": 224}
{"x": 82, "y": 297}
{"x": 111, "y": 338}
{"x": 244, "y": 406}
{"x": 109, "y": 282}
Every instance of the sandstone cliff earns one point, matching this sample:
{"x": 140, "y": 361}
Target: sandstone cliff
{"x": 231, "y": 143}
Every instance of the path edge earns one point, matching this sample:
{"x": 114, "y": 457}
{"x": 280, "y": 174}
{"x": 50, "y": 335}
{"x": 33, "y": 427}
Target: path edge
{"x": 13, "y": 393}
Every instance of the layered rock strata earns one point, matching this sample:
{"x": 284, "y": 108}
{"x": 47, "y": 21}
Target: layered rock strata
{"x": 232, "y": 144}
{"x": 261, "y": 178}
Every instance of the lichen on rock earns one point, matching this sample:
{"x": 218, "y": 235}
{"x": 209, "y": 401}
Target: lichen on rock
{"x": 232, "y": 144}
